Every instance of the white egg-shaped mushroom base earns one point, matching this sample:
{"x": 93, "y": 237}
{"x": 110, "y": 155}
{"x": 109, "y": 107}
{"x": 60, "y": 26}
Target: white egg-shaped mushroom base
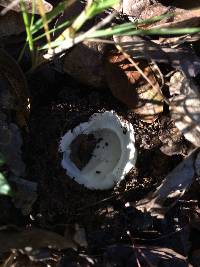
{"x": 112, "y": 158}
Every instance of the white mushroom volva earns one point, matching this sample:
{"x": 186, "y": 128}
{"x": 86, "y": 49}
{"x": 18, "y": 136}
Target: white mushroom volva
{"x": 100, "y": 152}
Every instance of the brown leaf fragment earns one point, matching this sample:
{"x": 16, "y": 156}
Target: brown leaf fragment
{"x": 134, "y": 7}
{"x": 185, "y": 111}
{"x": 140, "y": 48}
{"x": 15, "y": 5}
{"x": 182, "y": 18}
{"x": 129, "y": 86}
{"x": 156, "y": 9}
{"x": 185, "y": 59}
{"x": 172, "y": 140}
{"x": 175, "y": 83}
{"x": 182, "y": 58}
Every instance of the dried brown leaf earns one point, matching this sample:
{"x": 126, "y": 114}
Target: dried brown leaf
{"x": 182, "y": 18}
{"x": 182, "y": 58}
{"x": 134, "y": 7}
{"x": 129, "y": 86}
{"x": 173, "y": 186}
{"x": 140, "y": 48}
{"x": 185, "y": 111}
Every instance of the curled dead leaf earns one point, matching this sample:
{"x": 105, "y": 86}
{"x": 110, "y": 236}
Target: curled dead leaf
{"x": 129, "y": 86}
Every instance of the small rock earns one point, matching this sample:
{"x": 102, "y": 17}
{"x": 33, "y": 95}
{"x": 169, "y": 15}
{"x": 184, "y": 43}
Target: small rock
{"x": 84, "y": 63}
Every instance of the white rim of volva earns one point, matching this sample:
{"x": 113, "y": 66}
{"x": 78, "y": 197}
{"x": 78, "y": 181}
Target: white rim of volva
{"x": 112, "y": 158}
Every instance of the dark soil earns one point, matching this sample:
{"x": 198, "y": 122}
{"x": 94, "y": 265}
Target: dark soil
{"x": 59, "y": 105}
{"x": 82, "y": 148}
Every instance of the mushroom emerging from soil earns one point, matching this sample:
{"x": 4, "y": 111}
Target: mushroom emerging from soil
{"x": 100, "y": 152}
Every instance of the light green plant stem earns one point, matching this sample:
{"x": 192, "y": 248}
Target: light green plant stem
{"x": 27, "y": 25}
{"x": 32, "y": 21}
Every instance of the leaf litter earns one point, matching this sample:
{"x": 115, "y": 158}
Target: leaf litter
{"x": 49, "y": 198}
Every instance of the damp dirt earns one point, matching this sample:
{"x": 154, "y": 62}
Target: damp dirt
{"x": 58, "y": 106}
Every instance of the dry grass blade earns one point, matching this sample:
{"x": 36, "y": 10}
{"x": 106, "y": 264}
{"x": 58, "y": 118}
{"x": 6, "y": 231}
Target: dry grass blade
{"x": 41, "y": 9}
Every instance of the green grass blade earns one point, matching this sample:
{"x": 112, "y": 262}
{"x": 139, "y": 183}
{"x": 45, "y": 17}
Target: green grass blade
{"x": 156, "y": 31}
{"x": 50, "y": 16}
{"x": 163, "y": 31}
{"x": 27, "y": 25}
{"x": 61, "y": 26}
